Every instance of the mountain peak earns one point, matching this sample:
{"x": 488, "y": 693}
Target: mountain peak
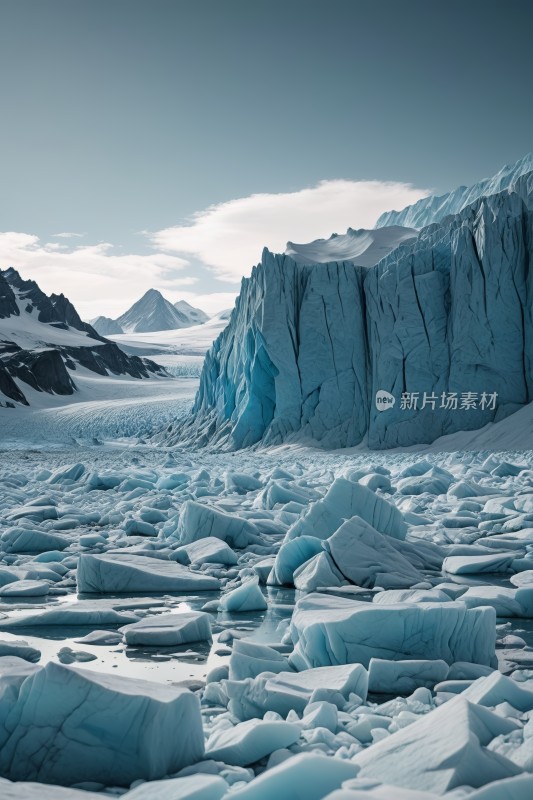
{"x": 153, "y": 312}
{"x": 152, "y": 293}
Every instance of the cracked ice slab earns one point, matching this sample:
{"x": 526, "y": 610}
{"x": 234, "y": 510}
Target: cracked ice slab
{"x": 288, "y": 691}
{"x": 38, "y": 791}
{"x": 333, "y": 630}
{"x": 367, "y": 557}
{"x": 85, "y": 612}
{"x": 445, "y": 749}
{"x": 169, "y": 629}
{"x": 191, "y": 787}
{"x": 199, "y": 521}
{"x": 306, "y": 776}
{"x": 132, "y": 573}
{"x": 68, "y": 725}
{"x": 250, "y": 741}
{"x": 346, "y": 499}
{"x": 476, "y": 564}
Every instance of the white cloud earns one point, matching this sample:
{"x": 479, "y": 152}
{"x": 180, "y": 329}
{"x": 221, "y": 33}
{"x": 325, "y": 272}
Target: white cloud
{"x": 229, "y": 237}
{"x": 211, "y": 302}
{"x": 94, "y": 277}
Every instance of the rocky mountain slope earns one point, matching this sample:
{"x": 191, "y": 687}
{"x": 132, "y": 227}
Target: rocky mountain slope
{"x": 436, "y": 338}
{"x": 43, "y": 342}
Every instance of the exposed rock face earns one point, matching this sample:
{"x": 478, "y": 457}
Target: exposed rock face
{"x": 8, "y": 304}
{"x": 307, "y": 347}
{"x": 9, "y": 388}
{"x": 43, "y": 338}
{"x": 44, "y": 371}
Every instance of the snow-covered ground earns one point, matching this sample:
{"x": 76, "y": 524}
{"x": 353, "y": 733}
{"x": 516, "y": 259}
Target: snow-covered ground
{"x": 102, "y": 409}
{"x": 193, "y": 341}
{"x": 111, "y": 407}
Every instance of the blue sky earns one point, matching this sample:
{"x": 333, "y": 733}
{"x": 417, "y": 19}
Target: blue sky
{"x": 179, "y": 136}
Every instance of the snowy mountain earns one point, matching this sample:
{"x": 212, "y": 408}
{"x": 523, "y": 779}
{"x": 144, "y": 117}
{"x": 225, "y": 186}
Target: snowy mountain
{"x": 434, "y": 339}
{"x": 195, "y": 315}
{"x": 43, "y": 343}
{"x": 106, "y": 326}
{"x": 154, "y": 313}
{"x": 434, "y": 209}
{"x": 362, "y": 247}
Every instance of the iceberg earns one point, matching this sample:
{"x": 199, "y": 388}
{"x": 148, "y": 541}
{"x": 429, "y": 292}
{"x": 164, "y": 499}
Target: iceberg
{"x": 334, "y": 630}
{"x": 250, "y": 741}
{"x": 249, "y": 659}
{"x": 192, "y": 787}
{"x": 318, "y": 573}
{"x": 305, "y": 777}
{"x": 125, "y": 572}
{"x": 403, "y": 677}
{"x": 475, "y": 565}
{"x": 28, "y": 790}
{"x": 205, "y": 551}
{"x": 83, "y": 612}
{"x": 368, "y": 558}
{"x": 27, "y": 540}
{"x": 346, "y": 499}
{"x": 292, "y": 555}
{"x": 20, "y": 649}
{"x": 69, "y": 725}
{"x": 444, "y": 749}
{"x": 198, "y": 521}
{"x": 25, "y": 588}
{"x": 168, "y": 630}
{"x": 246, "y": 597}
{"x": 288, "y": 691}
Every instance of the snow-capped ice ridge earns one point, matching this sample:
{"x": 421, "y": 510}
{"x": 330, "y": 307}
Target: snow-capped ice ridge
{"x": 308, "y": 346}
{"x": 433, "y": 209}
{"x": 363, "y": 247}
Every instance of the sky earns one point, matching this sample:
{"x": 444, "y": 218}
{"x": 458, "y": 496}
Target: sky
{"x": 163, "y": 143}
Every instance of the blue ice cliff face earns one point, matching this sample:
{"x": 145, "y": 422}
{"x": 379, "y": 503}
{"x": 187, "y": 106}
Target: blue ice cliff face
{"x": 308, "y": 347}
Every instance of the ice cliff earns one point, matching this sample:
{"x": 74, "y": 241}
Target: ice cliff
{"x": 434, "y": 209}
{"x": 308, "y": 346}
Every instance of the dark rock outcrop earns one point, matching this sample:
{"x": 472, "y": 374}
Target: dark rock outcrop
{"x": 45, "y": 366}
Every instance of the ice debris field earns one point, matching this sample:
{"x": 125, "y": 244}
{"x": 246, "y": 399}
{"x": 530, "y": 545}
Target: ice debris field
{"x": 289, "y": 624}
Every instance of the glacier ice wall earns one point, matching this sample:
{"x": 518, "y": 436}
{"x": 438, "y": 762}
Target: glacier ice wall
{"x": 436, "y": 208}
{"x": 308, "y": 346}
